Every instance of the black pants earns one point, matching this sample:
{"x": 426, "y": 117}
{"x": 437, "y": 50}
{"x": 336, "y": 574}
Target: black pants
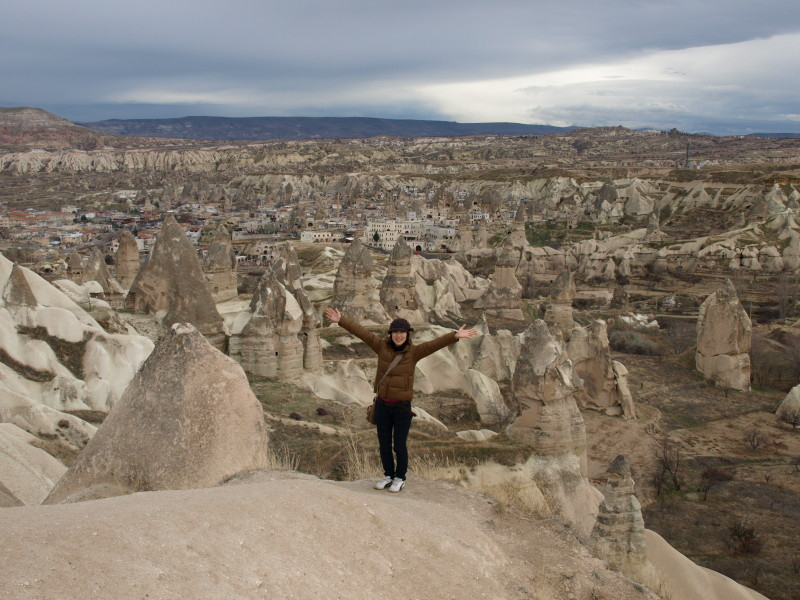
{"x": 393, "y": 422}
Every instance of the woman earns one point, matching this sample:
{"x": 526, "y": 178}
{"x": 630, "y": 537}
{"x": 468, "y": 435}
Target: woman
{"x": 393, "y": 411}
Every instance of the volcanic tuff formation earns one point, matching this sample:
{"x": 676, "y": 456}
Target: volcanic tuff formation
{"x": 545, "y": 386}
{"x": 559, "y": 308}
{"x": 219, "y": 266}
{"x": 503, "y": 297}
{"x": 398, "y": 290}
{"x": 724, "y": 334}
{"x": 354, "y": 291}
{"x": 127, "y": 259}
{"x": 618, "y": 534}
{"x": 172, "y": 281}
{"x": 605, "y": 380}
{"x": 188, "y": 419}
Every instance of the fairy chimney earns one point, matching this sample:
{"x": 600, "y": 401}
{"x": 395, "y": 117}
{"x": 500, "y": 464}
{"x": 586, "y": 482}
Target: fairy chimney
{"x": 590, "y": 352}
{"x": 618, "y": 535}
{"x": 273, "y": 306}
{"x": 398, "y": 294}
{"x": 354, "y": 290}
{"x": 172, "y": 281}
{"x": 724, "y": 334}
{"x": 504, "y": 297}
{"x": 287, "y": 270}
{"x": 219, "y": 266}
{"x": 559, "y": 309}
{"x": 127, "y": 259}
{"x": 544, "y": 387}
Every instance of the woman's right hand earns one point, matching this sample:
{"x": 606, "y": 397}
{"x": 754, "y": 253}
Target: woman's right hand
{"x": 333, "y": 314}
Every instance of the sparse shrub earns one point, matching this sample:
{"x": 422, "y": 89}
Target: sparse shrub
{"x": 711, "y": 477}
{"x": 790, "y": 417}
{"x": 633, "y": 342}
{"x": 743, "y": 539}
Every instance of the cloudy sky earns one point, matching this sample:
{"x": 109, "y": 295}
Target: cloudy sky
{"x": 720, "y": 66}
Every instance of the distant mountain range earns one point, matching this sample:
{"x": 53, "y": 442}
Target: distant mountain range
{"x": 299, "y": 128}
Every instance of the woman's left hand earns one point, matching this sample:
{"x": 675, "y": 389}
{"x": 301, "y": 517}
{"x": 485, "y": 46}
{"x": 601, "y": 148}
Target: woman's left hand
{"x": 463, "y": 332}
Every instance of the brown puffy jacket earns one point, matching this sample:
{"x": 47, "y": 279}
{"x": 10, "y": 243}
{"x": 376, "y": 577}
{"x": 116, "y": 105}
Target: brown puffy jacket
{"x": 399, "y": 385}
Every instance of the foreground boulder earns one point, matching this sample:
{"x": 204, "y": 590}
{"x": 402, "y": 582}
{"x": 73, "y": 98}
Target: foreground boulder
{"x": 188, "y": 419}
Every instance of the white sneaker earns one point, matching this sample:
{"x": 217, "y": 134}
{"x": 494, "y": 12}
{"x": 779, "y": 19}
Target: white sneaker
{"x": 383, "y": 483}
{"x": 397, "y": 484}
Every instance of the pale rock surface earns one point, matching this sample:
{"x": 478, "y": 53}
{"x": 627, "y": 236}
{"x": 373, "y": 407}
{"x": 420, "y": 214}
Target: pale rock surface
{"x": 688, "y": 581}
{"x": 544, "y": 386}
{"x": 476, "y": 435}
{"x": 346, "y": 383}
{"x": 42, "y": 421}
{"x": 27, "y": 473}
{"x": 188, "y": 419}
{"x": 49, "y": 340}
{"x": 451, "y": 369}
{"x": 97, "y": 270}
{"x": 217, "y": 543}
{"x": 100, "y": 310}
{"x": 172, "y": 281}
{"x": 724, "y": 335}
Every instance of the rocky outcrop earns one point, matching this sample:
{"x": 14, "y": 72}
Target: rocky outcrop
{"x": 219, "y": 266}
{"x": 724, "y": 334}
{"x": 96, "y": 269}
{"x": 270, "y": 343}
{"x": 559, "y": 307}
{"x": 605, "y": 385}
{"x": 288, "y": 272}
{"x": 789, "y": 408}
{"x": 544, "y": 387}
{"x": 187, "y": 420}
{"x": 56, "y": 354}
{"x": 172, "y": 285}
{"x": 127, "y": 259}
{"x": 618, "y": 535}
{"x": 354, "y": 291}
{"x": 398, "y": 291}
{"x": 503, "y": 298}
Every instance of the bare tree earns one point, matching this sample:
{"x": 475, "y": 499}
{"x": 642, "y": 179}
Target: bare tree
{"x": 756, "y": 438}
{"x": 669, "y": 457}
{"x": 743, "y": 539}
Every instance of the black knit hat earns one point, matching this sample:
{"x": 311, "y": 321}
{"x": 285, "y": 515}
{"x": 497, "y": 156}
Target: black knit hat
{"x": 400, "y": 325}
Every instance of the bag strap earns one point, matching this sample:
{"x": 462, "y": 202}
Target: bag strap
{"x": 391, "y": 366}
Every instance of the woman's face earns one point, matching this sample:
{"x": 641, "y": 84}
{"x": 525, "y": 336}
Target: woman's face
{"x": 399, "y": 337}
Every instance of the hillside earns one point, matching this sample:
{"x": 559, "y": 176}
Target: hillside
{"x": 300, "y": 128}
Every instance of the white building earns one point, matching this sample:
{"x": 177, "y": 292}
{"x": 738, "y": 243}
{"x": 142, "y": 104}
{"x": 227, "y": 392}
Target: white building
{"x": 319, "y": 235}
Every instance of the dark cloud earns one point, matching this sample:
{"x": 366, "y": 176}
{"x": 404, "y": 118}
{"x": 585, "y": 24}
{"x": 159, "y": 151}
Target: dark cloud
{"x": 94, "y": 60}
